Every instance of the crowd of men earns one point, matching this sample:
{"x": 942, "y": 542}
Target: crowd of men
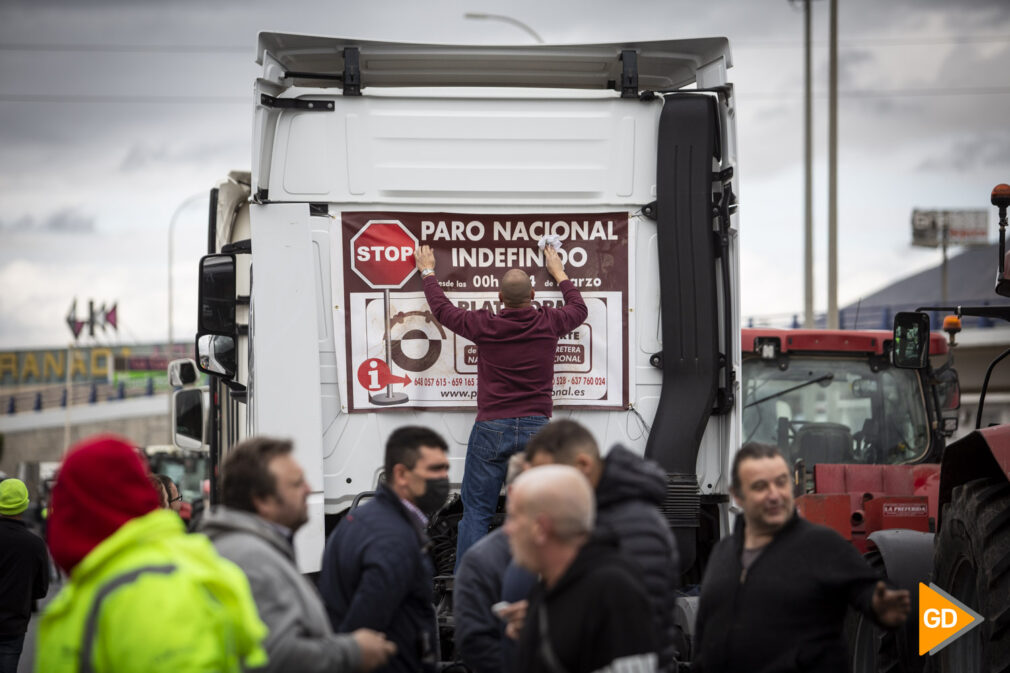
{"x": 582, "y": 577}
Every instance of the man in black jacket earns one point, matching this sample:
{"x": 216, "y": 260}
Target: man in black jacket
{"x": 589, "y": 612}
{"x": 629, "y": 491}
{"x": 376, "y": 570}
{"x": 775, "y": 593}
{"x": 24, "y": 572}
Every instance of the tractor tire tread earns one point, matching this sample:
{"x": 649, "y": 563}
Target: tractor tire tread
{"x": 974, "y": 530}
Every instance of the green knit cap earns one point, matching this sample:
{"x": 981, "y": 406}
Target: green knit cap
{"x": 13, "y": 497}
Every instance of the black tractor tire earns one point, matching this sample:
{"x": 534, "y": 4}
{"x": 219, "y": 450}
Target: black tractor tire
{"x": 972, "y": 564}
{"x": 876, "y": 650}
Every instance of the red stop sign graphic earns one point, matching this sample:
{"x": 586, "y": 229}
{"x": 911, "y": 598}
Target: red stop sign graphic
{"x": 382, "y": 254}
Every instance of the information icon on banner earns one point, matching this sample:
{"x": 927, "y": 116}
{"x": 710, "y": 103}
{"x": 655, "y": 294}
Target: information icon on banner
{"x": 382, "y": 254}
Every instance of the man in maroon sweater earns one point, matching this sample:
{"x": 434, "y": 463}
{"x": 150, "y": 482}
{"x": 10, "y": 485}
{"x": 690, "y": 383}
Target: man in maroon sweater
{"x": 515, "y": 376}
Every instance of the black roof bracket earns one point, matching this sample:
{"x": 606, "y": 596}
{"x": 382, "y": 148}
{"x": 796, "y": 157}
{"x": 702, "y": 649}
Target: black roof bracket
{"x": 629, "y": 73}
{"x": 266, "y": 100}
{"x": 352, "y": 72}
{"x": 243, "y": 247}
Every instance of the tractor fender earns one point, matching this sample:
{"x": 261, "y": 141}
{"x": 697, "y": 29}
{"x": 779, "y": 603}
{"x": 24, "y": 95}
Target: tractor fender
{"x": 907, "y": 556}
{"x": 980, "y": 454}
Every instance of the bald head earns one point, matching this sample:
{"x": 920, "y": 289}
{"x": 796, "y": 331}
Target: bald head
{"x": 516, "y": 291}
{"x": 558, "y": 495}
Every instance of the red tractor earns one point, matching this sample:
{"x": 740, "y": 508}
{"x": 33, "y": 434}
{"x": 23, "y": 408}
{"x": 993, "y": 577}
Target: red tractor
{"x": 864, "y": 416}
{"x": 971, "y": 551}
{"x": 865, "y": 437}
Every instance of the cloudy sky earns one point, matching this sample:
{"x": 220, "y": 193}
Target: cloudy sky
{"x": 115, "y": 115}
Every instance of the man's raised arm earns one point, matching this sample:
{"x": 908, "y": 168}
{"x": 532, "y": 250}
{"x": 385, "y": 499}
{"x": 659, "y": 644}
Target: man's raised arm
{"x": 574, "y": 311}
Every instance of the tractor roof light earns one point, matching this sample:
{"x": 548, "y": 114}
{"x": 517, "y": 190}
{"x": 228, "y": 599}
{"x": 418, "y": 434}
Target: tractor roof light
{"x": 951, "y": 325}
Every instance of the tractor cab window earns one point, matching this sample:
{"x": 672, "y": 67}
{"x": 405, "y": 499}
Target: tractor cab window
{"x": 832, "y": 410}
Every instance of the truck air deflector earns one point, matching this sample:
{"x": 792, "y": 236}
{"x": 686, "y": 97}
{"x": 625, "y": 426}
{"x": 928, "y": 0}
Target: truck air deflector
{"x": 689, "y": 303}
{"x": 315, "y": 61}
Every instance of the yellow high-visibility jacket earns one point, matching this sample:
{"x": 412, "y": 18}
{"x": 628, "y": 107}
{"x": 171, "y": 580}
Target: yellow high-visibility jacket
{"x": 152, "y": 599}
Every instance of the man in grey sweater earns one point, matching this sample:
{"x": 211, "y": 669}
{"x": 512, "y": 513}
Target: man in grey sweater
{"x": 264, "y": 498}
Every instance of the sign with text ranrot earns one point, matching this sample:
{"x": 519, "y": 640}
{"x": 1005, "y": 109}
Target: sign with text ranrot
{"x": 437, "y": 369}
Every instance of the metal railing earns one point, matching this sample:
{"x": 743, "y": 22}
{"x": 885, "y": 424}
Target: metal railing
{"x": 870, "y": 317}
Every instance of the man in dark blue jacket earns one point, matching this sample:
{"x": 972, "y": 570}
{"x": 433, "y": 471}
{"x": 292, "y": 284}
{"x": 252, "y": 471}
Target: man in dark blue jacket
{"x": 376, "y": 571}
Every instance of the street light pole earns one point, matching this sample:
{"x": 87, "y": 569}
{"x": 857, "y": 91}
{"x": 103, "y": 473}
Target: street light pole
{"x": 833, "y": 167}
{"x": 808, "y": 180}
{"x": 507, "y": 19}
{"x": 171, "y": 228}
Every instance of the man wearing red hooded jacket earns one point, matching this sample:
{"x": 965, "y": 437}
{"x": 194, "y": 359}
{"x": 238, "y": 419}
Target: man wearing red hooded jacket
{"x": 142, "y": 595}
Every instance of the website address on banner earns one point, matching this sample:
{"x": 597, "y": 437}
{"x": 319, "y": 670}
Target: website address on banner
{"x": 459, "y": 394}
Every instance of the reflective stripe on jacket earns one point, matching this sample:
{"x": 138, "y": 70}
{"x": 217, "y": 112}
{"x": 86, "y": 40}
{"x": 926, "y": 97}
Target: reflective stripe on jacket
{"x": 152, "y": 599}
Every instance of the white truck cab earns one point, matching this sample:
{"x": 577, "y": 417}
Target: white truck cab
{"x": 313, "y": 322}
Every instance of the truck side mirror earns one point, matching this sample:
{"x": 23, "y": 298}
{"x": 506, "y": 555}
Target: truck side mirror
{"x": 911, "y": 340}
{"x": 948, "y": 393}
{"x": 216, "y": 355}
{"x": 188, "y": 419}
{"x": 1001, "y": 199}
{"x": 217, "y": 295}
{"x": 216, "y": 326}
{"x": 1002, "y": 282}
{"x": 182, "y": 373}
{"x": 948, "y": 390}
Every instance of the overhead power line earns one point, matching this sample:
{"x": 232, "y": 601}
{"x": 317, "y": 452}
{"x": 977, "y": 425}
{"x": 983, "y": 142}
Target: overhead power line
{"x": 122, "y": 98}
{"x": 851, "y": 42}
{"x": 129, "y": 48}
{"x": 887, "y": 93}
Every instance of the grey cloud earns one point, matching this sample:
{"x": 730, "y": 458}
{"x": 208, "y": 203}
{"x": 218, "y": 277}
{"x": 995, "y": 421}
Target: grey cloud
{"x": 974, "y": 152}
{"x": 904, "y": 17}
{"x": 142, "y": 156}
{"x": 69, "y": 221}
{"x": 23, "y": 223}
{"x": 852, "y": 64}
{"x": 973, "y": 13}
{"x": 966, "y": 66}
{"x": 774, "y": 112}
{"x": 65, "y": 221}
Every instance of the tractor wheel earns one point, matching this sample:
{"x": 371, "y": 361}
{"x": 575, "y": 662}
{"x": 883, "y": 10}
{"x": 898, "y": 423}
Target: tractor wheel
{"x": 873, "y": 649}
{"x": 972, "y": 563}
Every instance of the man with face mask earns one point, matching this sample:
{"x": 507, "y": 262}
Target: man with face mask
{"x": 376, "y": 571}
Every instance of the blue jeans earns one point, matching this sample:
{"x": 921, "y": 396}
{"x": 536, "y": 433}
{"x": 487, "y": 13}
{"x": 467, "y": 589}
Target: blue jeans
{"x": 10, "y": 652}
{"x": 491, "y": 445}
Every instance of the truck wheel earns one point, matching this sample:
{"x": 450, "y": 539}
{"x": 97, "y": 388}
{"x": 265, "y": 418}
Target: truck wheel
{"x": 873, "y": 649}
{"x": 972, "y": 563}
